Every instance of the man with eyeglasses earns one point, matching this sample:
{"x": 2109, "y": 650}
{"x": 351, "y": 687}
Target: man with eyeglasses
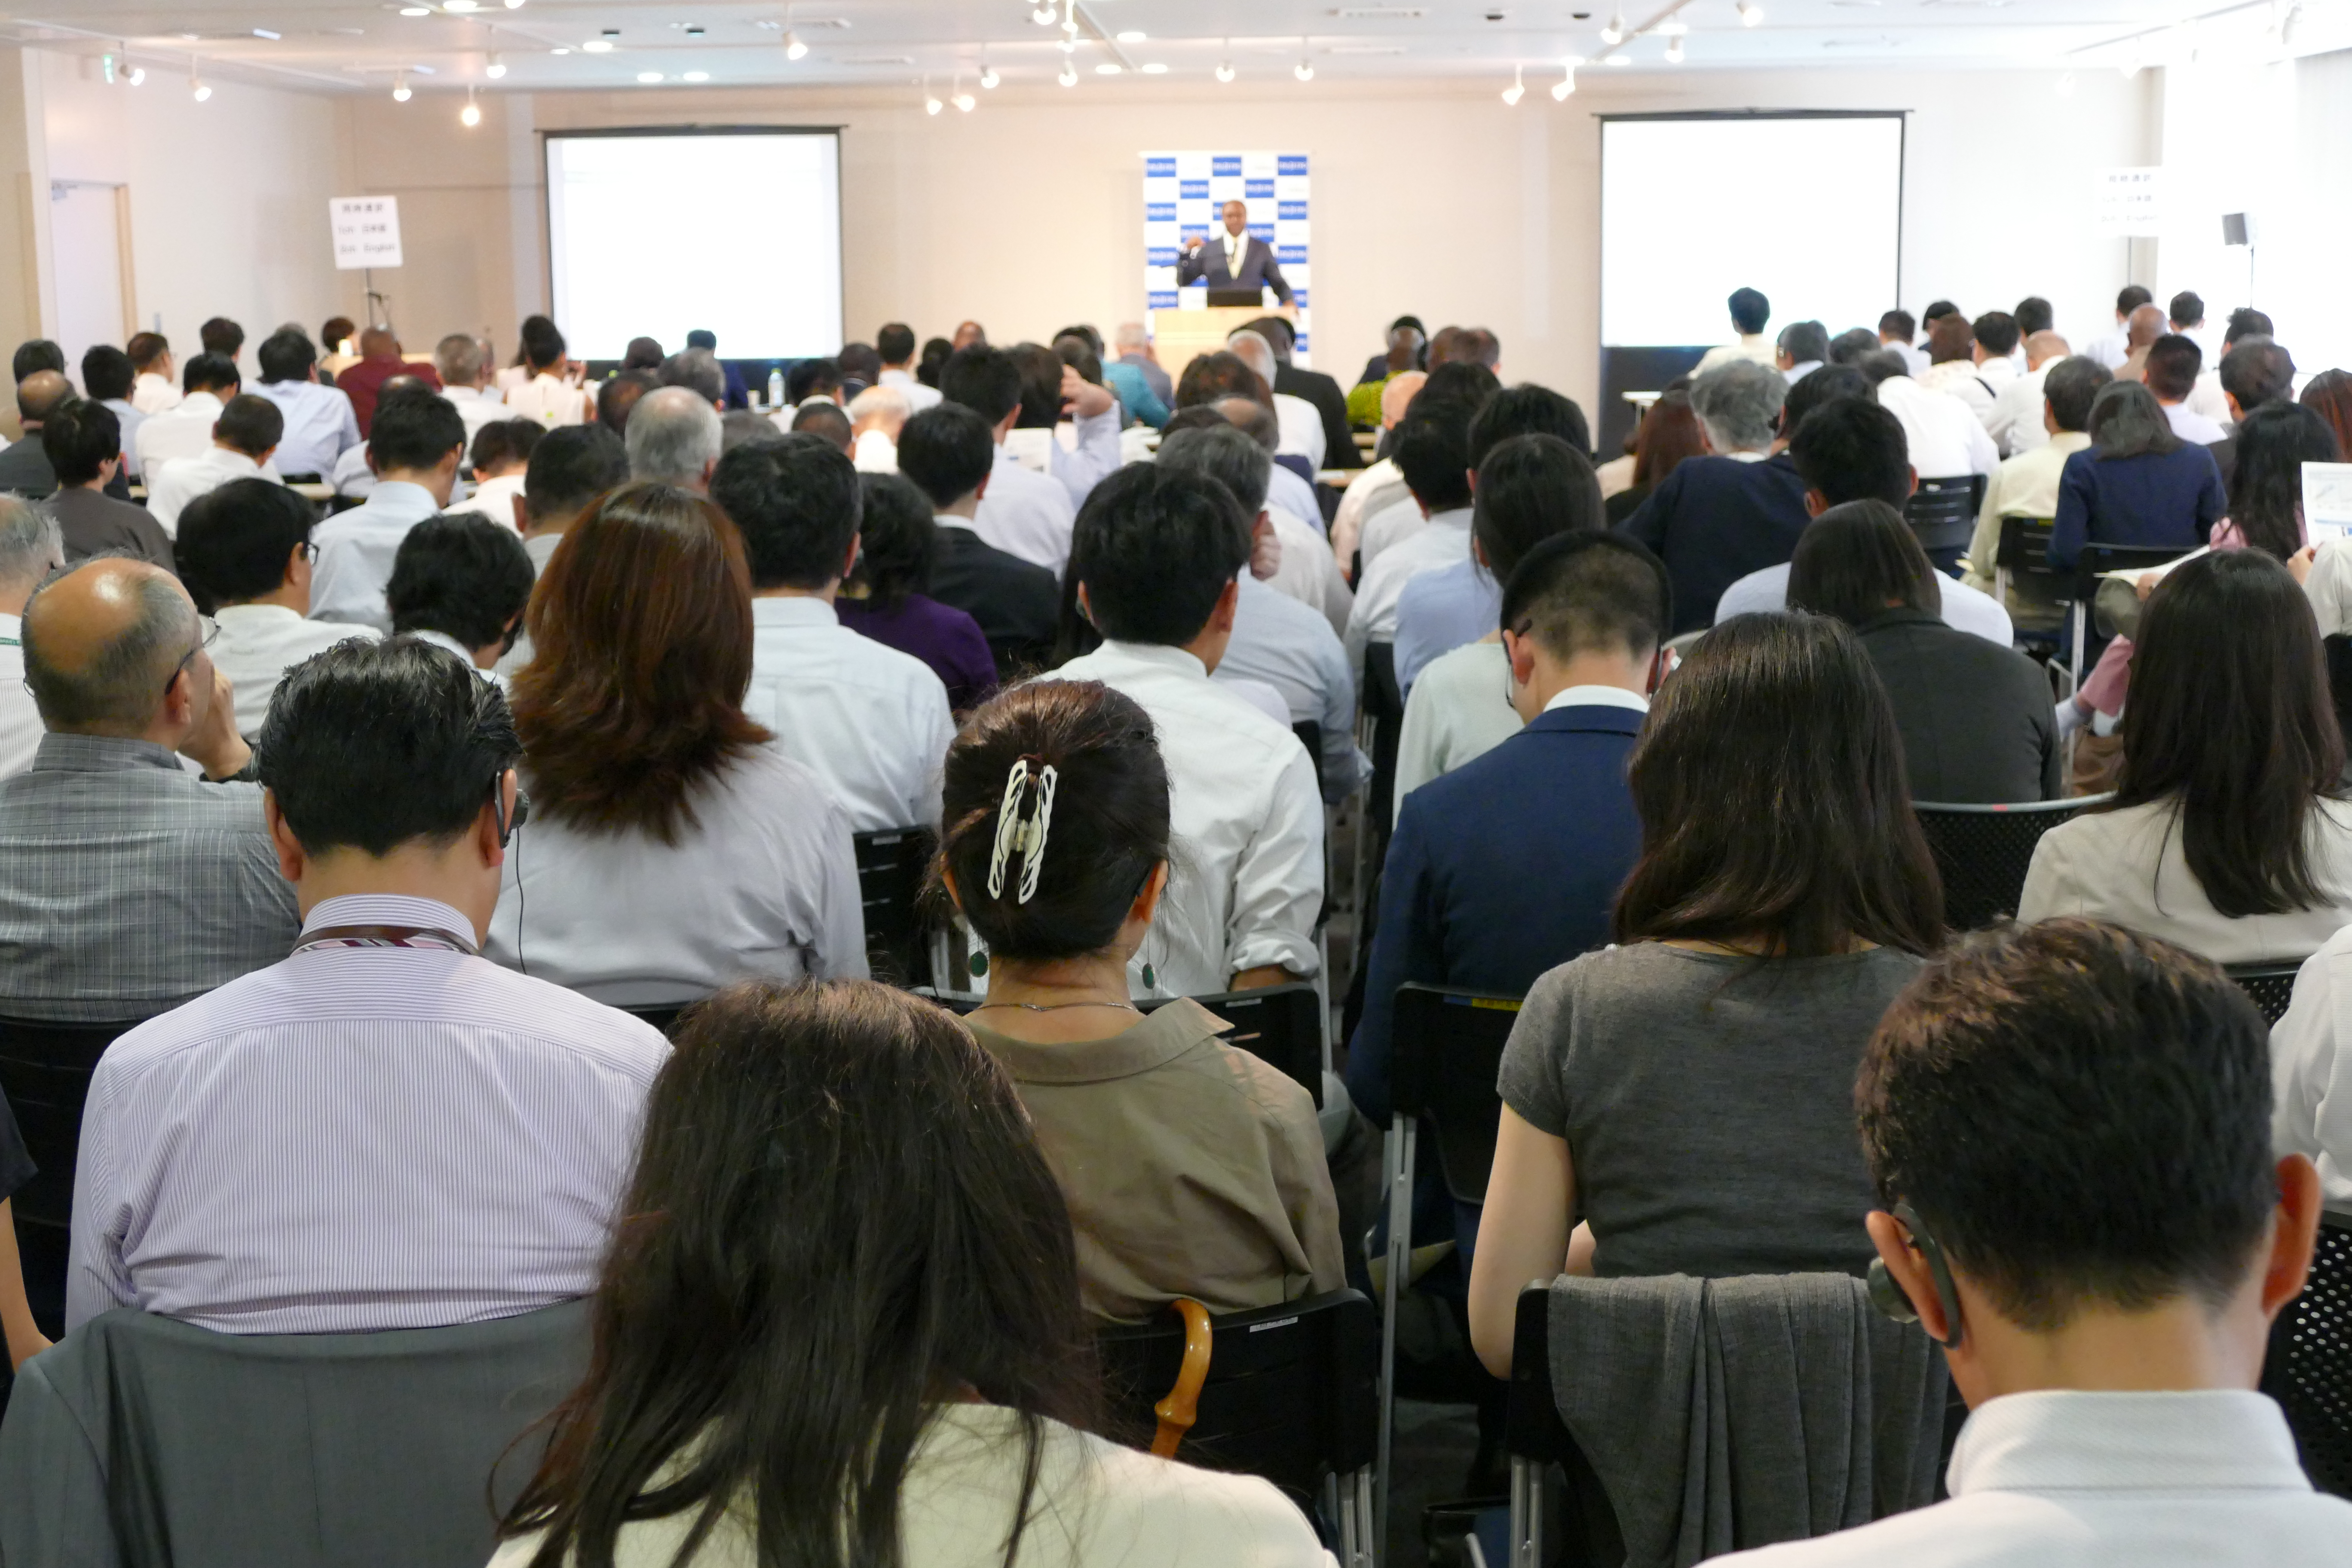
{"x": 128, "y": 883}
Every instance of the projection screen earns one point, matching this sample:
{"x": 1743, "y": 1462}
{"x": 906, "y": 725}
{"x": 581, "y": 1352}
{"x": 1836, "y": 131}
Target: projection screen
{"x": 654, "y": 233}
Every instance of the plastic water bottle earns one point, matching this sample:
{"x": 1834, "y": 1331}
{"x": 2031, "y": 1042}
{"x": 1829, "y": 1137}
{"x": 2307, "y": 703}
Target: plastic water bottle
{"x": 775, "y": 389}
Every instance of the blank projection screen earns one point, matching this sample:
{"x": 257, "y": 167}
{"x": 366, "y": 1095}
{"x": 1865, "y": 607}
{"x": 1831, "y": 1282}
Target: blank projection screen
{"x": 652, "y": 234}
{"x": 1807, "y": 208}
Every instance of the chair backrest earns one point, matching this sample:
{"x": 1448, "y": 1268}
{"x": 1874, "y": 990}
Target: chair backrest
{"x": 891, "y": 865}
{"x": 44, "y": 1071}
{"x": 1292, "y": 1392}
{"x": 1384, "y": 706}
{"x": 1310, "y": 735}
{"x": 1983, "y": 852}
{"x": 1445, "y": 1049}
{"x": 1943, "y": 511}
{"x": 2309, "y": 1368}
{"x": 1279, "y": 1025}
{"x": 1533, "y": 1430}
{"x": 2270, "y": 986}
{"x": 2025, "y": 546}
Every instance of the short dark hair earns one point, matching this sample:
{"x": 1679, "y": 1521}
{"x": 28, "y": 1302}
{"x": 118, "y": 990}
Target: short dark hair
{"x": 35, "y": 355}
{"x": 795, "y": 500}
{"x": 1155, "y": 550}
{"x": 2033, "y": 315}
{"x": 1588, "y": 592}
{"x": 1849, "y": 448}
{"x": 948, "y": 450}
{"x": 1832, "y": 381}
{"x": 463, "y": 575}
{"x": 811, "y": 376}
{"x": 2172, "y": 363}
{"x": 1900, "y": 323}
{"x": 896, "y": 540}
{"x": 334, "y": 330}
{"x": 506, "y": 441}
{"x": 210, "y": 372}
{"x": 371, "y": 745}
{"x": 643, "y": 353}
{"x": 285, "y": 354}
{"x": 702, "y": 338}
{"x": 2072, "y": 386}
{"x": 1988, "y": 1100}
{"x": 541, "y": 343}
{"x": 1531, "y": 487}
{"x": 570, "y": 467}
{"x": 1220, "y": 374}
{"x": 414, "y": 430}
{"x": 1997, "y": 333}
{"x": 1749, "y": 309}
{"x": 2131, "y": 297}
{"x": 1804, "y": 340}
{"x": 1936, "y": 310}
{"x": 1459, "y": 381}
{"x": 984, "y": 379}
{"x": 250, "y": 423}
{"x": 146, "y": 348}
{"x": 1473, "y": 345}
{"x": 1527, "y": 409}
{"x": 2187, "y": 308}
{"x": 828, "y": 422}
{"x": 1226, "y": 454}
{"x": 1851, "y": 344}
{"x": 859, "y": 363}
{"x": 1855, "y": 560}
{"x": 2245, "y": 321}
{"x": 2256, "y": 370}
{"x": 1431, "y": 447}
{"x": 234, "y": 543}
{"x": 79, "y": 438}
{"x": 107, "y": 372}
{"x": 617, "y": 398}
{"x": 1882, "y": 366}
{"x": 895, "y": 342}
{"x": 221, "y": 336}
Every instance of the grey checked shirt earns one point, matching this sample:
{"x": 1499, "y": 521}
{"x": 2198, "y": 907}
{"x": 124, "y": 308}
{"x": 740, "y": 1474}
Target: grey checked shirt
{"x": 129, "y": 886}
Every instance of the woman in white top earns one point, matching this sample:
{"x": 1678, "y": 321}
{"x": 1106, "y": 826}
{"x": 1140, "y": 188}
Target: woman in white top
{"x": 2228, "y": 833}
{"x": 544, "y": 384}
{"x": 670, "y": 851}
{"x": 840, "y": 1325}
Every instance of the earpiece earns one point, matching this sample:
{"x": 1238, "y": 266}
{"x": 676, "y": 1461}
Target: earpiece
{"x": 1888, "y": 1297}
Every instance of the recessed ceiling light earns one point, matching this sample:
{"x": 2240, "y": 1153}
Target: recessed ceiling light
{"x": 1157, "y": 67}
{"x": 417, "y": 10}
{"x": 266, "y": 33}
{"x": 558, "y": 51}
{"x": 598, "y": 45}
{"x": 461, "y": 6}
{"x": 649, "y": 77}
{"x": 695, "y": 76}
{"x": 1132, "y": 35}
{"x": 1108, "y": 67}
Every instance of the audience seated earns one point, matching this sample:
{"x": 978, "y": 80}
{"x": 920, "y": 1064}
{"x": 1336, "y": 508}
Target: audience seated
{"x": 221, "y": 336}
{"x": 1974, "y": 714}
{"x": 674, "y": 439}
{"x": 545, "y": 385}
{"x": 1801, "y": 349}
{"x": 2328, "y": 395}
{"x": 1392, "y": 516}
{"x": 1689, "y": 1094}
{"x": 1381, "y": 485}
{"x": 381, "y": 360}
{"x": 30, "y": 550}
{"x": 106, "y": 378}
{"x": 1897, "y": 329}
{"x": 569, "y": 469}
{"x": 378, "y": 1131}
{"x": 1301, "y": 422}
{"x": 412, "y": 450}
{"x": 1668, "y": 436}
{"x": 2136, "y": 483}
{"x": 1154, "y": 564}
{"x": 617, "y": 398}
{"x": 875, "y": 417}
{"x": 83, "y": 443}
{"x": 2256, "y": 370}
{"x": 2101, "y": 1268}
{"x": 136, "y": 885}
{"x": 1191, "y": 1167}
{"x": 842, "y": 1148}
{"x": 1750, "y": 313}
{"x": 955, "y": 459}
{"x": 895, "y": 345}
{"x": 2226, "y": 834}
{"x": 1022, "y": 511}
{"x": 883, "y": 597}
{"x": 246, "y": 556}
{"x": 1306, "y": 570}
{"x": 2173, "y": 363}
{"x": 869, "y": 721}
{"x": 2015, "y": 422}
{"x": 155, "y": 386}
{"x": 2110, "y": 351}
{"x": 1943, "y": 435}
{"x": 1432, "y": 446}
{"x": 2142, "y": 327}
{"x": 813, "y": 380}
{"x": 463, "y": 368}
{"x": 317, "y": 422}
{"x": 2273, "y": 445}
{"x": 828, "y": 422}
{"x": 246, "y": 435}
{"x": 2027, "y": 484}
{"x": 460, "y": 582}
{"x": 23, "y": 466}
{"x": 2308, "y": 1064}
{"x": 674, "y": 851}
{"x": 501, "y": 457}
{"x": 1953, "y": 357}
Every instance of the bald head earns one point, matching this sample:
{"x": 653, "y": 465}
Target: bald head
{"x": 2041, "y": 348}
{"x": 103, "y": 645}
{"x": 1254, "y": 352}
{"x": 378, "y": 344}
{"x": 2146, "y": 325}
{"x": 38, "y": 394}
{"x": 1398, "y": 395}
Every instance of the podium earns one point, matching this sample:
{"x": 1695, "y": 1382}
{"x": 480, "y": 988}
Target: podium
{"x": 1180, "y": 336}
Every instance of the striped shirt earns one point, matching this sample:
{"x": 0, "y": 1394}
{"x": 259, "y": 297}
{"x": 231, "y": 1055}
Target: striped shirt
{"x": 359, "y": 1138}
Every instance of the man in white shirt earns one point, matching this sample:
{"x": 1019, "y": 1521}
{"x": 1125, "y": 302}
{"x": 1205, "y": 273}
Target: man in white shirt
{"x": 245, "y": 436}
{"x": 2101, "y": 1269}
{"x": 461, "y": 581}
{"x": 476, "y": 1126}
{"x": 2186, "y": 313}
{"x": 1024, "y": 512}
{"x": 1802, "y": 348}
{"x": 1895, "y": 330}
{"x": 2015, "y": 423}
{"x": 1943, "y": 438}
{"x": 465, "y": 370}
{"x": 1299, "y": 421}
{"x": 1379, "y": 486}
{"x": 500, "y": 454}
{"x": 875, "y": 417}
{"x": 896, "y": 343}
{"x": 2171, "y": 372}
{"x": 155, "y": 387}
{"x": 414, "y": 445}
{"x": 870, "y": 722}
{"x": 319, "y": 424}
{"x": 1157, "y": 571}
{"x": 1432, "y": 447}
{"x": 675, "y": 437}
{"x": 2027, "y": 484}
{"x": 1992, "y": 351}
{"x": 185, "y": 429}
{"x": 2112, "y": 350}
{"x": 30, "y": 549}
{"x": 1751, "y": 312}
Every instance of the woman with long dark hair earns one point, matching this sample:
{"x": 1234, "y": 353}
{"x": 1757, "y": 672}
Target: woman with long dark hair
{"x": 671, "y": 850}
{"x": 2228, "y": 833}
{"x": 2273, "y": 443}
{"x": 840, "y": 1326}
{"x": 2136, "y": 483}
{"x": 2329, "y": 395}
{"x": 1690, "y": 1092}
{"x": 885, "y": 598}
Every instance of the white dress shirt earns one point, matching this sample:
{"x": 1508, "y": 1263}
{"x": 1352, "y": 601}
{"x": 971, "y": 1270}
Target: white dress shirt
{"x": 548, "y": 399}
{"x": 1801, "y": 369}
{"x": 870, "y": 722}
{"x": 1092, "y": 455}
{"x": 2061, "y": 1479}
{"x": 1367, "y": 495}
{"x": 1966, "y": 609}
{"x": 873, "y": 453}
{"x": 1301, "y": 426}
{"x": 172, "y": 486}
{"x": 356, "y": 549}
{"x": 2015, "y": 423}
{"x": 1945, "y": 438}
{"x": 1459, "y": 708}
{"x": 762, "y": 886}
{"x": 2311, "y": 1069}
{"x": 152, "y": 394}
{"x": 1914, "y": 358}
{"x": 478, "y": 406}
{"x": 2207, "y": 397}
{"x": 2112, "y": 350}
{"x": 919, "y": 396}
{"x": 184, "y": 431}
{"x": 2192, "y": 426}
{"x": 320, "y": 425}
{"x": 1444, "y": 540}
{"x": 1308, "y": 573}
{"x": 20, "y": 721}
{"x": 1246, "y": 879}
{"x": 1397, "y": 521}
{"x": 1293, "y": 495}
{"x": 359, "y": 1138}
{"x": 494, "y": 498}
{"x": 1757, "y": 346}
{"x": 259, "y": 643}
{"x": 1293, "y": 649}
{"x": 1978, "y": 385}
{"x": 351, "y": 476}
{"x": 1026, "y": 513}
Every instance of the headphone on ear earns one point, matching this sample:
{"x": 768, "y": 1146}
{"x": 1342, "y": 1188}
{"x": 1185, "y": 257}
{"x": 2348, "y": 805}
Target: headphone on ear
{"x": 498, "y": 808}
{"x": 1888, "y": 1297}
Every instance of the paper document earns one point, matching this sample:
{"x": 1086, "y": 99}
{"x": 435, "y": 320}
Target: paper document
{"x": 2326, "y": 500}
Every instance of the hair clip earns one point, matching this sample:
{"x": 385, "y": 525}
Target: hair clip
{"x": 1027, "y": 838}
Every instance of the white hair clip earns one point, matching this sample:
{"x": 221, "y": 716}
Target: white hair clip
{"x": 1015, "y": 836}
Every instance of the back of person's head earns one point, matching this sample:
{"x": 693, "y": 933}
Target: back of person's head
{"x": 211, "y": 372}
{"x": 1824, "y": 385}
{"x": 1936, "y": 310}
{"x": 795, "y": 499}
{"x": 1860, "y": 560}
{"x": 1431, "y": 446}
{"x": 702, "y": 338}
{"x": 1251, "y": 418}
{"x": 1882, "y": 366}
{"x": 1988, "y": 1102}
{"x": 619, "y": 396}
{"x": 1221, "y": 374}
{"x": 1749, "y": 310}
{"x": 1778, "y": 718}
{"x": 1997, "y": 332}
{"x": 1804, "y": 341}
{"x": 413, "y": 431}
{"x": 643, "y": 353}
{"x": 697, "y": 370}
{"x": 2328, "y": 395}
{"x": 107, "y": 375}
{"x": 108, "y": 675}
{"x": 1280, "y": 335}
{"x": 373, "y": 745}
{"x": 2186, "y": 309}
{"x": 896, "y": 540}
{"x": 2033, "y": 315}
{"x": 1898, "y": 324}
{"x": 1209, "y": 415}
{"x": 673, "y": 436}
{"x": 2131, "y": 297}
{"x": 287, "y": 354}
{"x": 569, "y": 469}
{"x": 808, "y": 378}
{"x": 2173, "y": 361}
{"x": 1155, "y": 550}
{"x": 501, "y": 442}
{"x": 1851, "y": 449}
{"x": 852, "y": 1151}
{"x": 936, "y": 354}
{"x": 221, "y": 336}
{"x": 1470, "y": 345}
{"x": 985, "y": 380}
{"x": 253, "y": 425}
{"x": 887, "y": 408}
{"x": 2070, "y": 388}
{"x": 462, "y": 575}
{"x": 2257, "y": 370}
{"x": 1527, "y": 409}
{"x": 334, "y": 332}
{"x": 2273, "y": 442}
{"x": 1225, "y": 455}
{"x": 641, "y": 639}
{"x": 895, "y": 342}
{"x": 1588, "y": 592}
{"x": 1849, "y": 345}
{"x": 147, "y": 349}
{"x": 1668, "y": 436}
{"x": 236, "y": 543}
{"x": 2231, "y": 719}
{"x": 948, "y": 450}
{"x": 41, "y": 393}
{"x": 1738, "y": 402}
{"x": 80, "y": 438}
{"x": 1108, "y": 827}
{"x": 738, "y": 425}
{"x": 37, "y": 354}
{"x": 1461, "y": 380}
{"x": 2245, "y": 321}
{"x": 31, "y": 545}
{"x": 859, "y": 363}
{"x": 828, "y": 422}
{"x": 1530, "y": 488}
{"x": 2126, "y": 421}
{"x": 1254, "y": 352}
{"x": 1950, "y": 337}
{"x": 460, "y": 358}
{"x": 542, "y": 347}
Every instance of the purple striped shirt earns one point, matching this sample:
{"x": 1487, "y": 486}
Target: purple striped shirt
{"x": 359, "y": 1138}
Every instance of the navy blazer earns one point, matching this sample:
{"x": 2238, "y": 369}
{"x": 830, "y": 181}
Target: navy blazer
{"x": 1715, "y": 520}
{"x": 2155, "y": 498}
{"x": 1207, "y": 265}
{"x": 1500, "y": 870}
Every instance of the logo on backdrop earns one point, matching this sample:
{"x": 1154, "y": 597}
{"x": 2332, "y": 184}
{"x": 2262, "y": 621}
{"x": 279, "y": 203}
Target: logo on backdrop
{"x": 1185, "y": 193}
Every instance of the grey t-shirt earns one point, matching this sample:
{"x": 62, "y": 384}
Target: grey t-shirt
{"x": 1707, "y": 1103}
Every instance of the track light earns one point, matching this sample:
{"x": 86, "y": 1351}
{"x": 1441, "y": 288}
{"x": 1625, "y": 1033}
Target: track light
{"x": 932, "y": 104}
{"x": 198, "y": 88}
{"x": 471, "y": 115}
{"x": 400, "y": 93}
{"x": 794, "y": 48}
{"x": 1566, "y": 85}
{"x": 1519, "y": 88}
{"x": 988, "y": 76}
{"x": 514, "y": 5}
{"x": 1043, "y": 14}
{"x": 598, "y": 45}
{"x": 1751, "y": 12}
{"x": 1675, "y": 50}
{"x": 1304, "y": 69}
{"x": 1069, "y": 74}
{"x": 1224, "y": 71}
{"x": 963, "y": 101}
{"x": 1614, "y": 33}
{"x": 496, "y": 68}
{"x": 133, "y": 74}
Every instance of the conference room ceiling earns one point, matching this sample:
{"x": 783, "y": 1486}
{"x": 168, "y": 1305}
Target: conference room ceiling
{"x": 1132, "y": 45}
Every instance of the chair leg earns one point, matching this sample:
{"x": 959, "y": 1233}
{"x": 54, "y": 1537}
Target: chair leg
{"x": 1354, "y": 1492}
{"x": 1527, "y": 1513}
{"x": 1397, "y": 1160}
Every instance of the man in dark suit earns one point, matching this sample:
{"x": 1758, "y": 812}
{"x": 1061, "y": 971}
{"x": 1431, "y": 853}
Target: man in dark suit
{"x": 950, "y": 453}
{"x": 1313, "y": 386}
{"x": 1235, "y": 260}
{"x": 24, "y": 467}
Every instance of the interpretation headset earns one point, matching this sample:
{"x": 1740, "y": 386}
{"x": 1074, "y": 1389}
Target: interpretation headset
{"x": 1888, "y": 1297}
{"x": 498, "y": 808}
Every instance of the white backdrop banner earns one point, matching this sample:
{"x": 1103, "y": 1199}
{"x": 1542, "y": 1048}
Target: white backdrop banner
{"x": 1184, "y": 193}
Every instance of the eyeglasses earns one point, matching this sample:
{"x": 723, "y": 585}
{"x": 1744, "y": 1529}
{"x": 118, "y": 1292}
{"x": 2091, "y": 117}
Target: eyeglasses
{"x": 208, "y": 633}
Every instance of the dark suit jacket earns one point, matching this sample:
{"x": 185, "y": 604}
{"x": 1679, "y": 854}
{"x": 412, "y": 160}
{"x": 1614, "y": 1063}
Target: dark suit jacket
{"x": 93, "y": 525}
{"x": 1338, "y": 442}
{"x": 2155, "y": 498}
{"x": 1715, "y": 520}
{"x": 1207, "y": 265}
{"x": 25, "y": 469}
{"x": 1017, "y": 603}
{"x": 1974, "y": 717}
{"x": 1500, "y": 870}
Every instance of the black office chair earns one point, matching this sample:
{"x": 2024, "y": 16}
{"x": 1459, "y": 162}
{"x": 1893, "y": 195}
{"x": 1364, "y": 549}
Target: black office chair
{"x": 1538, "y": 1439}
{"x": 1282, "y": 1026}
{"x": 44, "y": 1071}
{"x": 1943, "y": 513}
{"x": 1383, "y": 703}
{"x": 2309, "y": 1368}
{"x": 2270, "y": 986}
{"x": 1983, "y": 852}
{"x": 2022, "y": 574}
{"x": 891, "y": 865}
{"x": 1287, "y": 1393}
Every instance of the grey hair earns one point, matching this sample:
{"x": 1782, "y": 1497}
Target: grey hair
{"x": 30, "y": 544}
{"x": 673, "y": 436}
{"x": 697, "y": 369}
{"x": 887, "y": 401}
{"x": 1256, "y": 421}
{"x": 1738, "y": 404}
{"x": 459, "y": 357}
{"x": 1130, "y": 335}
{"x": 119, "y": 691}
{"x": 1254, "y": 352}
{"x": 1227, "y": 455}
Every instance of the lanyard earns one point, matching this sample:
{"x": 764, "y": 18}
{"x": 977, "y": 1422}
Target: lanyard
{"x": 431, "y": 936}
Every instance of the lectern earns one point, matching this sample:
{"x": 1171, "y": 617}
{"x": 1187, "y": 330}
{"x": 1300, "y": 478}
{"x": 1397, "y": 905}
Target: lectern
{"x": 1179, "y": 336}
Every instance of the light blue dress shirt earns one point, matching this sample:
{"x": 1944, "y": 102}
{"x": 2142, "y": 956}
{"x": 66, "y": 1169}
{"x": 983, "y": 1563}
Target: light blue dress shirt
{"x": 129, "y": 419}
{"x": 320, "y": 425}
{"x": 356, "y": 549}
{"x": 1441, "y": 610}
{"x": 1292, "y": 648}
